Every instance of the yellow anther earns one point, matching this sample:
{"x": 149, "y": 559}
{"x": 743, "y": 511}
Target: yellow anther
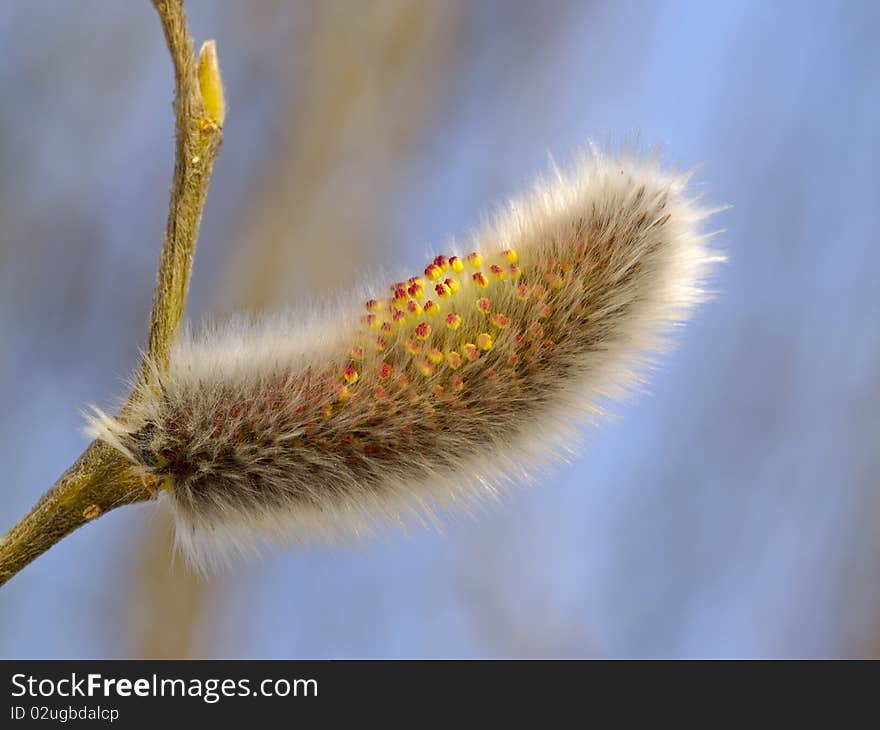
{"x": 435, "y": 357}
{"x": 400, "y": 294}
{"x": 350, "y": 375}
{"x": 485, "y": 341}
{"x": 499, "y": 320}
{"x": 431, "y": 307}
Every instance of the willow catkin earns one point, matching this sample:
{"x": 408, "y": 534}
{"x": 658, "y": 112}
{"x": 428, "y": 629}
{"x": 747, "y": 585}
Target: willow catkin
{"x": 436, "y": 390}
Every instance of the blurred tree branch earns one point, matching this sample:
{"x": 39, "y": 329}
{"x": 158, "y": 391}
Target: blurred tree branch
{"x": 100, "y": 479}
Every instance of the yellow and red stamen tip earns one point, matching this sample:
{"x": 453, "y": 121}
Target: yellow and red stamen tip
{"x": 452, "y": 285}
{"x": 522, "y": 292}
{"x": 438, "y": 390}
{"x": 554, "y": 281}
{"x": 515, "y": 272}
{"x": 423, "y": 330}
{"x": 343, "y": 393}
{"x": 384, "y": 370}
{"x": 545, "y": 311}
{"x": 499, "y": 320}
{"x": 510, "y": 256}
{"x": 350, "y": 375}
{"x": 470, "y": 351}
{"x": 373, "y": 305}
{"x": 435, "y": 357}
{"x": 483, "y": 305}
{"x": 475, "y": 260}
{"x": 425, "y": 368}
{"x": 413, "y": 307}
{"x": 416, "y": 289}
{"x": 458, "y": 384}
{"x": 381, "y": 343}
{"x": 327, "y": 410}
{"x": 497, "y": 271}
{"x": 442, "y": 262}
{"x": 536, "y": 330}
{"x": 453, "y": 359}
{"x": 480, "y": 280}
{"x": 565, "y": 267}
{"x": 400, "y": 294}
{"x": 442, "y": 290}
{"x": 399, "y": 315}
{"x": 453, "y": 321}
{"x": 485, "y": 341}
{"x": 433, "y": 272}
{"x": 373, "y": 321}
{"x": 431, "y": 307}
{"x": 387, "y": 326}
{"x": 456, "y": 264}
{"x": 379, "y": 392}
{"x": 357, "y": 352}
{"x": 413, "y": 346}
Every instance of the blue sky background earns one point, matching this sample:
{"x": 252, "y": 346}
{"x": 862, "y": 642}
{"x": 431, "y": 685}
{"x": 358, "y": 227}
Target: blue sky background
{"x": 733, "y": 511}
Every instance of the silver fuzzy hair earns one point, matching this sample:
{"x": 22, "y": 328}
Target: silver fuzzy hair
{"x": 454, "y": 384}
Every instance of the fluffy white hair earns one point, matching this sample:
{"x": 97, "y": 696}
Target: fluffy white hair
{"x": 435, "y": 395}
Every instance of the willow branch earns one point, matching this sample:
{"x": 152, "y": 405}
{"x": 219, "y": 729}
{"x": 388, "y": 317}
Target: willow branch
{"x": 198, "y": 141}
{"x": 100, "y": 479}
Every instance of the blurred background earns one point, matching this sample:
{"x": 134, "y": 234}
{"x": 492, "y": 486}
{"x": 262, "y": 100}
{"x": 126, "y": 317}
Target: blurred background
{"x": 732, "y": 512}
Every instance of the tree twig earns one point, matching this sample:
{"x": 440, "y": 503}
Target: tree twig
{"x": 100, "y": 479}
